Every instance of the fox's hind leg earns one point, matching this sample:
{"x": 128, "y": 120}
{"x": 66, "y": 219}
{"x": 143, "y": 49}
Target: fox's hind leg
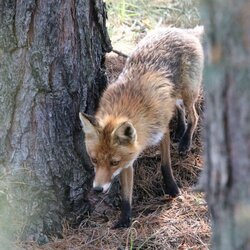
{"x": 191, "y": 82}
{"x": 171, "y": 187}
{"x": 192, "y": 118}
{"x": 181, "y": 120}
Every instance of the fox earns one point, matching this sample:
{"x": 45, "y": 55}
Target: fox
{"x": 162, "y": 74}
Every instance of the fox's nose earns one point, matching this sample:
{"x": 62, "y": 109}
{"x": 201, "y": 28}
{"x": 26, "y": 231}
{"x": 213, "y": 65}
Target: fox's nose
{"x": 98, "y": 189}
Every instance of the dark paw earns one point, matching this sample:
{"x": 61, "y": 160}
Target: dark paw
{"x": 184, "y": 147}
{"x": 122, "y": 223}
{"x": 172, "y": 190}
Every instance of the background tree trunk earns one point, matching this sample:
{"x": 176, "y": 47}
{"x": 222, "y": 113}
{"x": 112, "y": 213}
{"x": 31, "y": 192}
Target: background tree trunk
{"x": 227, "y": 139}
{"x": 51, "y": 66}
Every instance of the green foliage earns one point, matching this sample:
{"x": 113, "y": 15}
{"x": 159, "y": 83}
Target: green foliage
{"x": 141, "y": 15}
{"x": 129, "y": 20}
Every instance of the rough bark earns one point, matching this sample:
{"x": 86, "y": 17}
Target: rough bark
{"x": 227, "y": 130}
{"x": 51, "y": 66}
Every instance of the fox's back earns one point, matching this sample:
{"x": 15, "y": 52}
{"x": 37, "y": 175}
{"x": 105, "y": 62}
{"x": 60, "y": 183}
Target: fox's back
{"x": 176, "y": 52}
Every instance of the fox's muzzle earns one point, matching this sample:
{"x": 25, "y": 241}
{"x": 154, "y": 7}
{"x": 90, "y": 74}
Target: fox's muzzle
{"x": 101, "y": 188}
{"x": 98, "y": 189}
{"x": 103, "y": 179}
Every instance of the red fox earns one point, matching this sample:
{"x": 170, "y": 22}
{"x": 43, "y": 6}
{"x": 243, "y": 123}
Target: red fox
{"x": 134, "y": 112}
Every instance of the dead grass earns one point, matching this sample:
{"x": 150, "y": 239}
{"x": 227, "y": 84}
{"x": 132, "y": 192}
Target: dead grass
{"x": 129, "y": 20}
{"x": 158, "y": 221}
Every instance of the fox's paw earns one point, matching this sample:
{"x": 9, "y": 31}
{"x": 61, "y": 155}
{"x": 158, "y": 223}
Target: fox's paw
{"x": 184, "y": 147}
{"x": 122, "y": 223}
{"x": 172, "y": 190}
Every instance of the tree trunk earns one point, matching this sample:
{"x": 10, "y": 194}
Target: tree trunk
{"x": 51, "y": 67}
{"x": 227, "y": 135}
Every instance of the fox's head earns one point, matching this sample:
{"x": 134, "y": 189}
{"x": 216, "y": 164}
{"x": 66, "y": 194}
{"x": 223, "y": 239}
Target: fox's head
{"x": 111, "y": 145}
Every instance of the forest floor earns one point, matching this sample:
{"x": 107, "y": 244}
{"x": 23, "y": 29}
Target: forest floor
{"x": 159, "y": 222}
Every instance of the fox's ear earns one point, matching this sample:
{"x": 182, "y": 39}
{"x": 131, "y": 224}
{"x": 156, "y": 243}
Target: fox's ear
{"x": 124, "y": 134}
{"x": 88, "y": 123}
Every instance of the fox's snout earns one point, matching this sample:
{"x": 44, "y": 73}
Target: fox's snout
{"x": 98, "y": 185}
{"x": 103, "y": 188}
{"x": 98, "y": 189}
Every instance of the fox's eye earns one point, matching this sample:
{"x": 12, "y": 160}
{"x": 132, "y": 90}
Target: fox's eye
{"x": 94, "y": 160}
{"x": 114, "y": 163}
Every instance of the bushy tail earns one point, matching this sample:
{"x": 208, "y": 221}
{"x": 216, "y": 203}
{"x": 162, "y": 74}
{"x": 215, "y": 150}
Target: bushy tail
{"x": 197, "y": 31}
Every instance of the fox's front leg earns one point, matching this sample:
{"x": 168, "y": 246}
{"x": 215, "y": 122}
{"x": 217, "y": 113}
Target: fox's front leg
{"x": 126, "y": 178}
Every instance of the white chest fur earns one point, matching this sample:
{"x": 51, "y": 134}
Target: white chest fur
{"x": 155, "y": 138}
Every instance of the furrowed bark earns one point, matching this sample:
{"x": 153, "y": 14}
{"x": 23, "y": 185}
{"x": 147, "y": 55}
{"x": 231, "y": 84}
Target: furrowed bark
{"x": 51, "y": 67}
